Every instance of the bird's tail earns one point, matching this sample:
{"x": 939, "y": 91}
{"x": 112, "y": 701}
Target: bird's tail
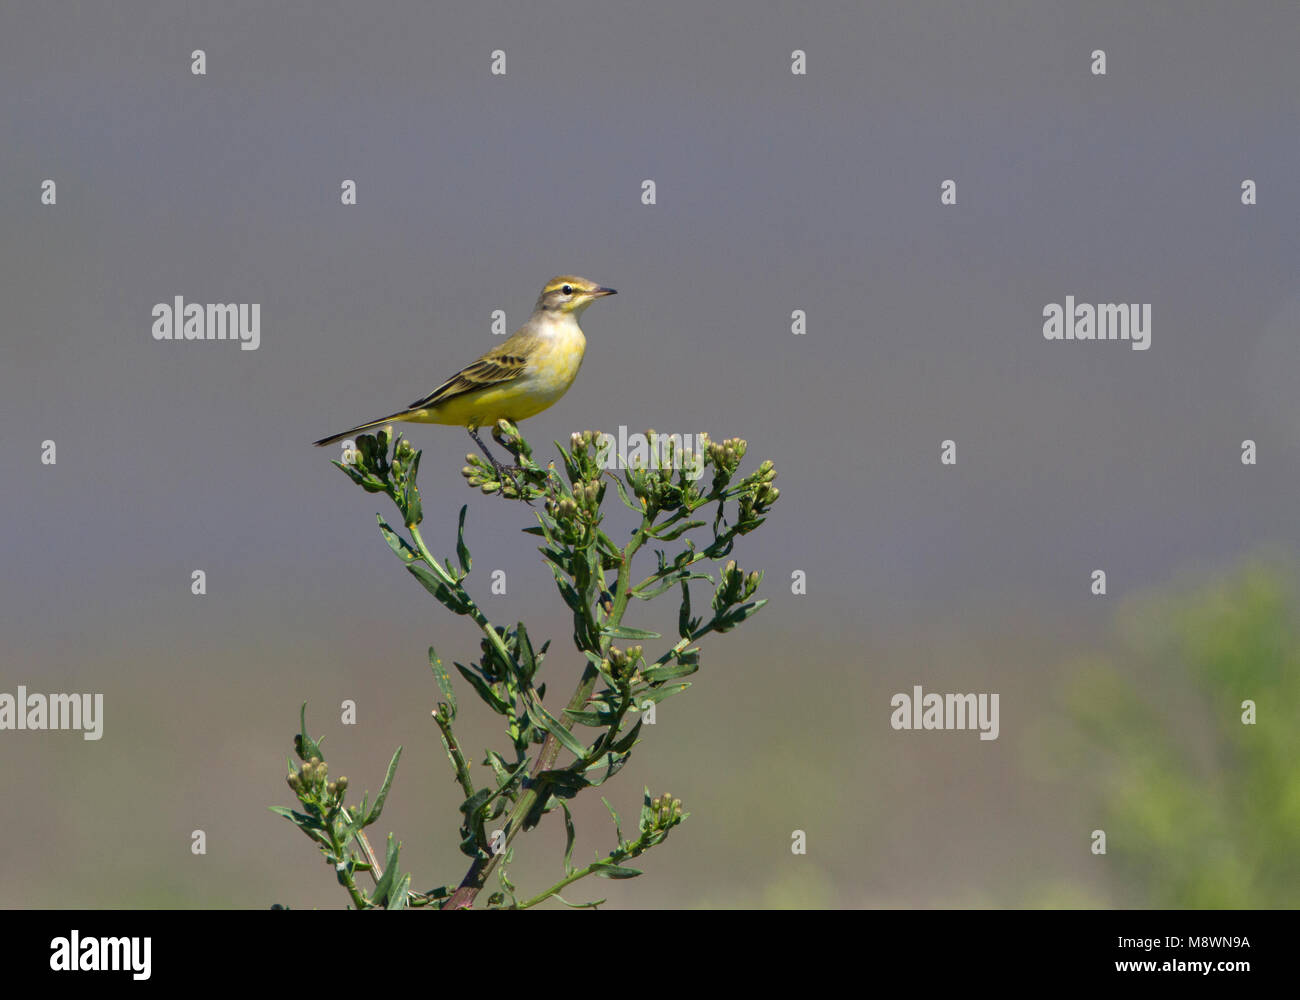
{"x": 400, "y": 414}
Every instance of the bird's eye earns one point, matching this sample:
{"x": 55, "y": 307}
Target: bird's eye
{"x": 567, "y": 289}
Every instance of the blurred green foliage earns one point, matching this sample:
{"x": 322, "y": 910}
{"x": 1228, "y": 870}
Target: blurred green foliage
{"x": 1200, "y": 810}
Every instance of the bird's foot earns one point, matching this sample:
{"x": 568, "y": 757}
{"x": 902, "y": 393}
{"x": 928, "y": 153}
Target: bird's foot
{"x": 505, "y": 473}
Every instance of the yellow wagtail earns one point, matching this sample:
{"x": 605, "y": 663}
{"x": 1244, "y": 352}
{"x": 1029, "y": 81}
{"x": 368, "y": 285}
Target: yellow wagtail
{"x": 528, "y": 372}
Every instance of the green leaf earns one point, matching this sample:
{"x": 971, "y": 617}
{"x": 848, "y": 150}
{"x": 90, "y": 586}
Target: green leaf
{"x": 677, "y": 531}
{"x": 397, "y": 895}
{"x": 571, "y": 597}
{"x": 509, "y": 778}
{"x": 685, "y": 625}
{"x": 595, "y": 577}
{"x": 366, "y": 445}
{"x": 590, "y": 718}
{"x": 493, "y": 701}
{"x": 595, "y": 660}
{"x": 411, "y": 507}
{"x": 669, "y": 582}
{"x": 570, "y": 465}
{"x": 462, "y": 550}
{"x": 607, "y": 545}
{"x": 628, "y": 739}
{"x": 624, "y": 632}
{"x": 622, "y": 495}
{"x": 378, "y": 807}
{"x": 605, "y": 869}
{"x": 498, "y": 764}
{"x": 656, "y": 695}
{"x": 560, "y": 556}
{"x": 618, "y": 824}
{"x": 389, "y": 879}
{"x": 527, "y": 659}
{"x": 453, "y": 600}
{"x": 298, "y": 819}
{"x": 609, "y": 763}
{"x": 670, "y": 671}
{"x": 541, "y": 717}
{"x": 396, "y": 542}
{"x": 569, "y": 836}
{"x": 737, "y": 615}
{"x": 562, "y": 785}
{"x": 444, "y": 681}
{"x": 306, "y": 747}
{"x": 474, "y": 806}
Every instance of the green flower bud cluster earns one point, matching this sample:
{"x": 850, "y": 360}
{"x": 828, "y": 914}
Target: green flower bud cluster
{"x": 564, "y": 510}
{"x": 490, "y": 661}
{"x": 588, "y": 496}
{"x": 757, "y": 499}
{"x": 368, "y": 465}
{"x": 725, "y": 455}
{"x": 575, "y": 515}
{"x": 312, "y": 785}
{"x": 479, "y": 474}
{"x": 405, "y": 491}
{"x": 621, "y": 663}
{"x": 582, "y": 465}
{"x": 664, "y": 488}
{"x": 665, "y": 812}
{"x": 733, "y": 588}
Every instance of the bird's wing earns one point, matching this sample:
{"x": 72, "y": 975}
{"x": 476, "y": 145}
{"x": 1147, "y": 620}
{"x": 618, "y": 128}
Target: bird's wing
{"x": 493, "y": 368}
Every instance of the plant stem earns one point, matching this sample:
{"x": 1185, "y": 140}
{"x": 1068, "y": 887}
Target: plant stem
{"x": 376, "y": 870}
{"x": 341, "y": 852}
{"x": 479, "y": 619}
{"x": 481, "y": 868}
{"x": 569, "y": 879}
{"x": 457, "y": 756}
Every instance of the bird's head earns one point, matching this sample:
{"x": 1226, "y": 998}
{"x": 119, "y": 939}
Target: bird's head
{"x": 570, "y": 294}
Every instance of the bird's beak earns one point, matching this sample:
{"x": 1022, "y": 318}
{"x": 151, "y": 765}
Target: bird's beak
{"x": 600, "y": 293}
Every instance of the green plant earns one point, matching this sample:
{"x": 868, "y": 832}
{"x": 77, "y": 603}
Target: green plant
{"x": 1192, "y": 744}
{"x": 594, "y": 576}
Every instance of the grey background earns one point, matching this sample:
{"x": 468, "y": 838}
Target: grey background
{"x": 775, "y": 192}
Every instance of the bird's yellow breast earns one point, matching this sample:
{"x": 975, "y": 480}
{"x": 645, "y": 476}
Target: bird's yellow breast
{"x": 554, "y": 351}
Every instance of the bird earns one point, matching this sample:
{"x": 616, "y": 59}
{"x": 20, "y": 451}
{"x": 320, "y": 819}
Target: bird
{"x": 517, "y": 379}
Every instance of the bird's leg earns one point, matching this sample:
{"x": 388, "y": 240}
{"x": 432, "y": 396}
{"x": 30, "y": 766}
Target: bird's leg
{"x": 502, "y": 471}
